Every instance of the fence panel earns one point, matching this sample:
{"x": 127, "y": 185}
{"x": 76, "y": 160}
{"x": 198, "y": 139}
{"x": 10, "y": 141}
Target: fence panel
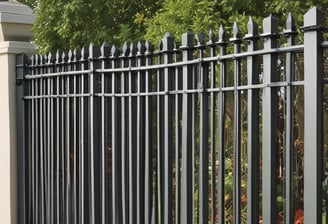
{"x": 177, "y": 135}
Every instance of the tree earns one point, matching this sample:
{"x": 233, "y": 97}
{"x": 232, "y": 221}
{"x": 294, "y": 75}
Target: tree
{"x": 31, "y": 3}
{"x": 62, "y": 24}
{"x": 178, "y": 16}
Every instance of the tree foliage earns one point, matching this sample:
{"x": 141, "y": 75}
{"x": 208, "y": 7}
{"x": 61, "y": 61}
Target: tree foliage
{"x": 62, "y": 24}
{"x": 177, "y": 16}
{"x": 31, "y": 3}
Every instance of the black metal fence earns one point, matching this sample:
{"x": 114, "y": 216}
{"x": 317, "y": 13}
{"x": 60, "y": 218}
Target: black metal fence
{"x": 210, "y": 131}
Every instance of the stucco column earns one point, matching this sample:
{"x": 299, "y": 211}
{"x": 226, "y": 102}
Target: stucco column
{"x": 15, "y": 34}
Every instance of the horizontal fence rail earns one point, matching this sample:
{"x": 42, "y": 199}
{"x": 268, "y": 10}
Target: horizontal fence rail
{"x": 217, "y": 130}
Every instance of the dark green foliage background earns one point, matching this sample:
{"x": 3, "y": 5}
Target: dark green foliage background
{"x": 62, "y": 24}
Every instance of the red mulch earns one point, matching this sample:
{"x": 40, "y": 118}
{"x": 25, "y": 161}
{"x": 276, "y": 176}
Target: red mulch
{"x": 298, "y": 217}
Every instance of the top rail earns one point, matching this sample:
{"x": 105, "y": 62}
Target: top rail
{"x": 296, "y": 48}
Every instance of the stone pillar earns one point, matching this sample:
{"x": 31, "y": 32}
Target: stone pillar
{"x": 16, "y": 21}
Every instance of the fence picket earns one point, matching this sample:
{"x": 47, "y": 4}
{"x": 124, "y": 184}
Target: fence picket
{"x": 291, "y": 33}
{"x": 253, "y": 174}
{"x": 222, "y": 42}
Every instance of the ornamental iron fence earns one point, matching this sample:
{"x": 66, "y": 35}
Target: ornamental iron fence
{"x": 215, "y": 130}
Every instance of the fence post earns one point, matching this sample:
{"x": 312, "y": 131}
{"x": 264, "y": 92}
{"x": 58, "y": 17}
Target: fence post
{"x": 15, "y": 24}
{"x": 313, "y": 115}
{"x": 21, "y": 62}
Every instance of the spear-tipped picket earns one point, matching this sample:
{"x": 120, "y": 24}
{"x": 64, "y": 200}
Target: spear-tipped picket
{"x": 70, "y": 56}
{"x": 45, "y": 59}
{"x": 252, "y": 28}
{"x": 37, "y": 59}
{"x": 290, "y": 26}
{"x": 187, "y": 40}
{"x": 141, "y": 48}
{"x": 84, "y": 53}
{"x": 175, "y": 47}
{"x": 222, "y": 36}
{"x": 58, "y": 58}
{"x": 133, "y": 50}
{"x": 104, "y": 50}
{"x": 33, "y": 60}
{"x": 160, "y": 45}
{"x": 63, "y": 56}
{"x": 211, "y": 38}
{"x": 50, "y": 58}
{"x": 114, "y": 52}
{"x": 40, "y": 59}
{"x": 148, "y": 48}
{"x": 235, "y": 33}
{"x": 77, "y": 55}
{"x": 290, "y": 33}
{"x": 168, "y": 42}
{"x": 94, "y": 51}
{"x": 125, "y": 50}
{"x": 270, "y": 27}
{"x": 200, "y": 37}
{"x": 253, "y": 122}
{"x": 269, "y": 124}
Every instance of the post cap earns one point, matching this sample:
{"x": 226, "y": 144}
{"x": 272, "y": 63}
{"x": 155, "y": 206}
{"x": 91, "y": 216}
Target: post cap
{"x": 16, "y": 21}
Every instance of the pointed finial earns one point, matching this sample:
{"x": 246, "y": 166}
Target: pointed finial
{"x": 84, "y": 53}
{"x": 44, "y": 59}
{"x": 210, "y": 37}
{"x": 104, "y": 50}
{"x": 290, "y": 23}
{"x": 168, "y": 42}
{"x": 125, "y": 49}
{"x": 133, "y": 49}
{"x": 70, "y": 56}
{"x": 77, "y": 55}
{"x": 94, "y": 51}
{"x": 270, "y": 27}
{"x": 175, "y": 46}
{"x": 253, "y": 31}
{"x": 200, "y": 37}
{"x": 160, "y": 45}
{"x": 114, "y": 52}
{"x": 149, "y": 48}
{"x": 222, "y": 36}
{"x": 50, "y": 58}
{"x": 33, "y": 60}
{"x": 290, "y": 26}
{"x": 40, "y": 59}
{"x": 63, "y": 56}
{"x": 187, "y": 40}
{"x": 58, "y": 59}
{"x": 235, "y": 33}
{"x": 141, "y": 48}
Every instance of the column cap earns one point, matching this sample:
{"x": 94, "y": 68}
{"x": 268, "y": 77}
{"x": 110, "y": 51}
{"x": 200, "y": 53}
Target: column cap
{"x": 16, "y": 21}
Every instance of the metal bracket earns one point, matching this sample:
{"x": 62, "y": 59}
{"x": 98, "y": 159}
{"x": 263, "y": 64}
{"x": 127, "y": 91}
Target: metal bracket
{"x": 21, "y": 68}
